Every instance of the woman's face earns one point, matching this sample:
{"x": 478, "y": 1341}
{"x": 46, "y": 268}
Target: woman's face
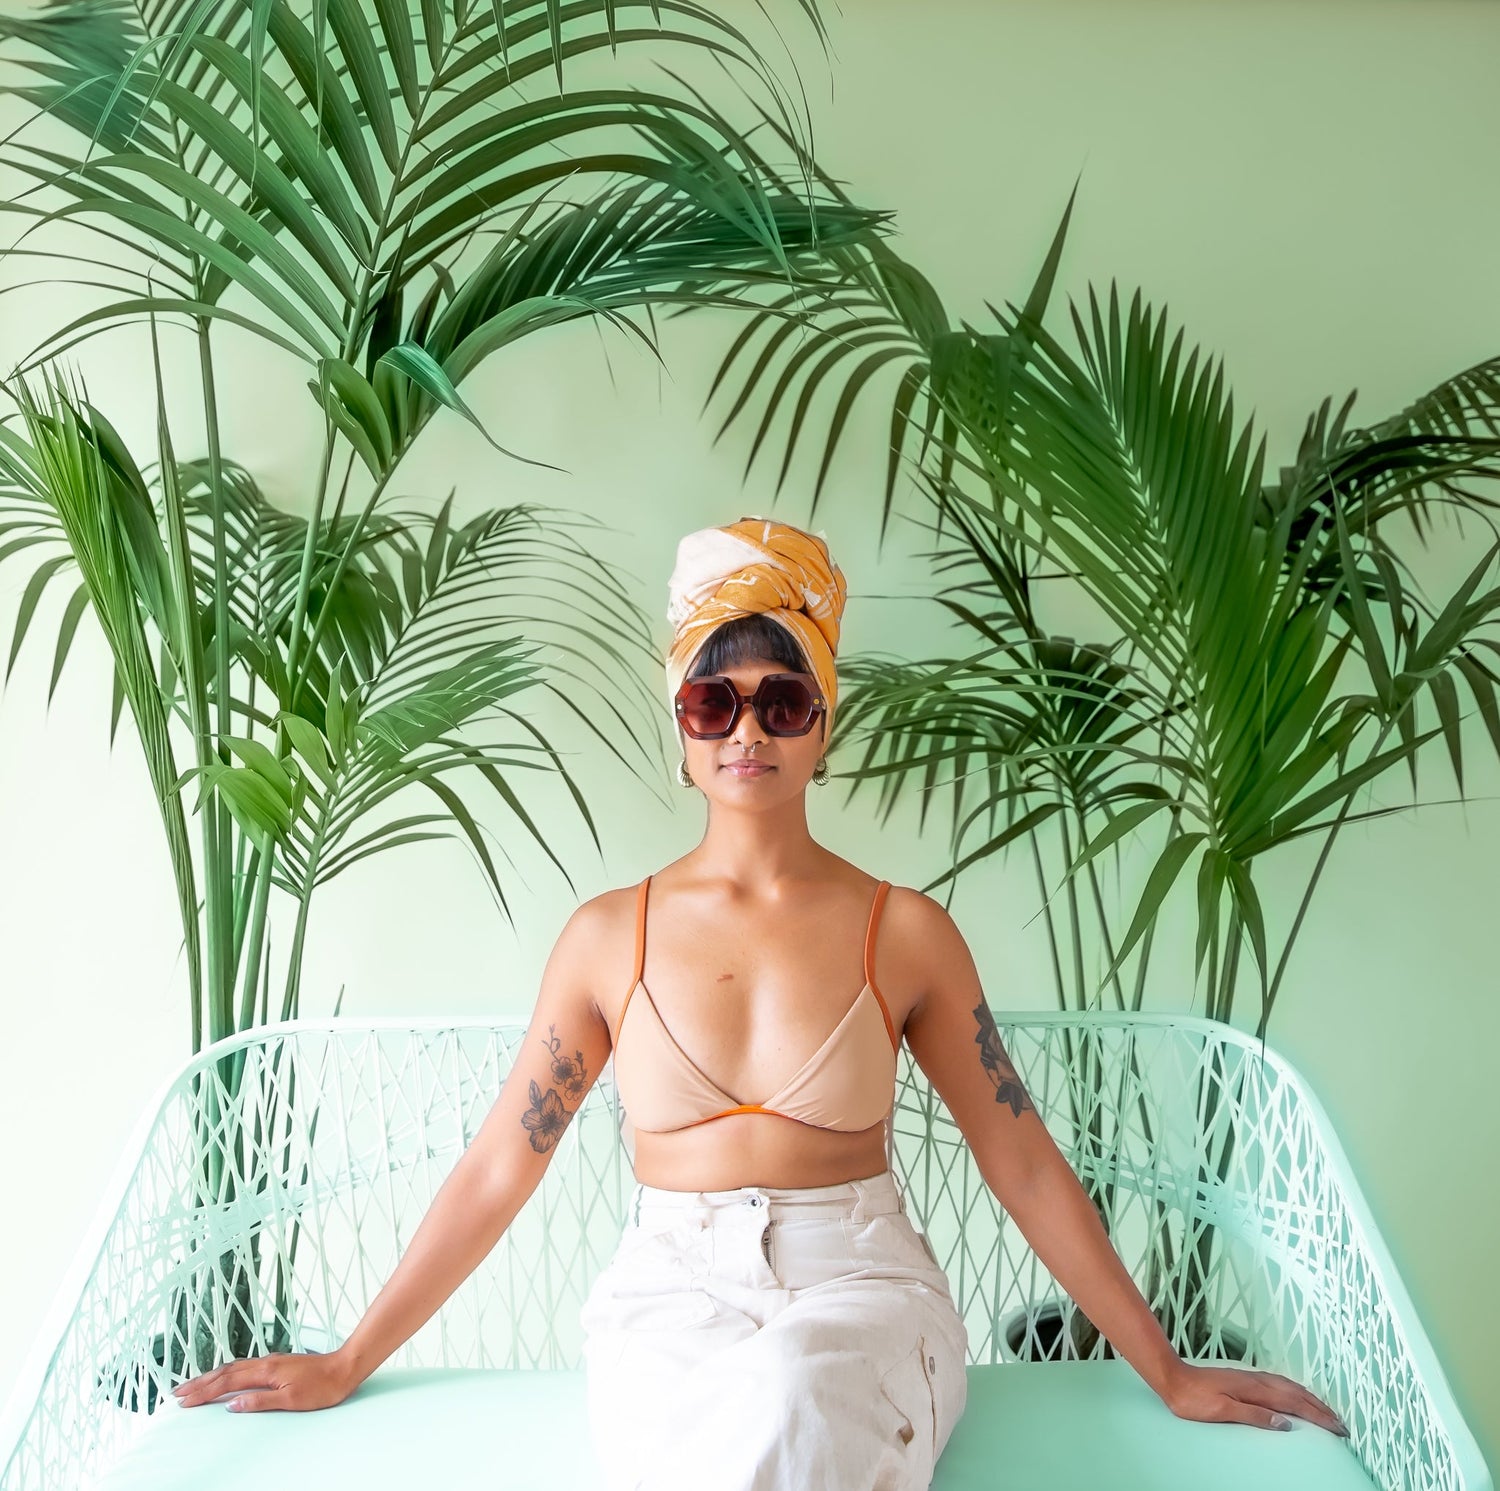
{"x": 778, "y": 766}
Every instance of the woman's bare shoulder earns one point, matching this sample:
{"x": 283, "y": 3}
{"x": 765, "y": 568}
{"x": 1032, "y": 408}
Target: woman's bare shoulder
{"x": 914, "y": 902}
{"x": 917, "y": 928}
{"x": 916, "y": 934}
{"x": 919, "y": 916}
{"x": 596, "y": 946}
{"x": 603, "y": 918}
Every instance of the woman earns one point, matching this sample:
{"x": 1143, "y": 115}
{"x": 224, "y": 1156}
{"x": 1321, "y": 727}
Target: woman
{"x": 771, "y": 1317}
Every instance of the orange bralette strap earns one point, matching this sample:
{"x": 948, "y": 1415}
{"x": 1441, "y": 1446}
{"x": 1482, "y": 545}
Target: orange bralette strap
{"x": 875, "y": 911}
{"x": 640, "y": 943}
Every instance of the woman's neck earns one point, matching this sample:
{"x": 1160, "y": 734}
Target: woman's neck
{"x": 759, "y": 847}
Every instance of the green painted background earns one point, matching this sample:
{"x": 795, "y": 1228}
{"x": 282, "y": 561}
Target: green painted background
{"x": 1311, "y": 187}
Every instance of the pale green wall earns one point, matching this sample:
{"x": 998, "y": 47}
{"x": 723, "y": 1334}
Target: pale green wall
{"x": 1309, "y": 186}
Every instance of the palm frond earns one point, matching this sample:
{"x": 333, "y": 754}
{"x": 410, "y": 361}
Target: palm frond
{"x": 72, "y": 460}
{"x": 319, "y": 194}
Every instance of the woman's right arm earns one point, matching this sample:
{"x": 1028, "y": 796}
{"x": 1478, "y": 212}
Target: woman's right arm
{"x": 564, "y": 1050}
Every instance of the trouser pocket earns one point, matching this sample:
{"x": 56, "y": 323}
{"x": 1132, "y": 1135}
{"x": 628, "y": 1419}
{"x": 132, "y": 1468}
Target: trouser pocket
{"x": 908, "y": 1387}
{"x": 655, "y": 1282}
{"x": 945, "y": 1359}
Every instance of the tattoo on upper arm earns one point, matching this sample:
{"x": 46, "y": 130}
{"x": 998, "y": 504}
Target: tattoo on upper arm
{"x": 993, "y": 1058}
{"x": 547, "y": 1117}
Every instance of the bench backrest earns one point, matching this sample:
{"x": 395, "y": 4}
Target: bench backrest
{"x": 284, "y": 1172}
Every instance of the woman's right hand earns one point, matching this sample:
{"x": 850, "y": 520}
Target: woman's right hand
{"x": 296, "y": 1381}
{"x": 498, "y": 1170}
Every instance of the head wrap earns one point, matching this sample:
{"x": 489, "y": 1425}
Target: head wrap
{"x": 756, "y": 565}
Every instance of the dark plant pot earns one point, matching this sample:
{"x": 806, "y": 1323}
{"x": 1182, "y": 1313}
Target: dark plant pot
{"x": 1043, "y": 1341}
{"x": 1232, "y": 1346}
{"x": 1036, "y": 1334}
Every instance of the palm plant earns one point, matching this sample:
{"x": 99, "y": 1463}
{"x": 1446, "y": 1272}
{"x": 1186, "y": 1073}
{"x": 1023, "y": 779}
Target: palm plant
{"x": 1271, "y": 655}
{"x": 331, "y": 170}
{"x": 385, "y": 195}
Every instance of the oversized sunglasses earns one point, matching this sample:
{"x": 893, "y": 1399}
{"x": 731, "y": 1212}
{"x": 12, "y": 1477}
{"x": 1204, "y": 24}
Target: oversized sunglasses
{"x": 709, "y": 708}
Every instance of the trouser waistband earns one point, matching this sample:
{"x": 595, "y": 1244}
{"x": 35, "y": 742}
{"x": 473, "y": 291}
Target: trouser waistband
{"x": 868, "y": 1196}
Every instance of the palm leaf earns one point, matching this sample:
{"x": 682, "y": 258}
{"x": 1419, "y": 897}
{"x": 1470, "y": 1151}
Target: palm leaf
{"x": 87, "y": 491}
{"x": 446, "y": 151}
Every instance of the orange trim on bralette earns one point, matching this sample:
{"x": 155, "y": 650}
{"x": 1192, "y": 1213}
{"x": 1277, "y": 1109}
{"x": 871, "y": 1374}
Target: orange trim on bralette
{"x": 730, "y": 1112}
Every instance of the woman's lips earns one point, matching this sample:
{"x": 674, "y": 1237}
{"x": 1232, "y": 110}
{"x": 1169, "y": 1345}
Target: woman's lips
{"x": 747, "y": 768}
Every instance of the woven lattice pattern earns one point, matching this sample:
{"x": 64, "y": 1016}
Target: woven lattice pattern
{"x": 285, "y": 1171}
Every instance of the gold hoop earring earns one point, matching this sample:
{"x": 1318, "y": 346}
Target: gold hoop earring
{"x": 683, "y": 779}
{"x": 820, "y": 771}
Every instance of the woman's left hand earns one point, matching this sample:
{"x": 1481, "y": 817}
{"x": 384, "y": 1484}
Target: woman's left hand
{"x": 1237, "y": 1395}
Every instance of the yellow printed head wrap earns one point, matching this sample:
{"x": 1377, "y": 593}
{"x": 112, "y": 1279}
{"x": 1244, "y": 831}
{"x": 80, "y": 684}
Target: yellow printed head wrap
{"x": 756, "y": 565}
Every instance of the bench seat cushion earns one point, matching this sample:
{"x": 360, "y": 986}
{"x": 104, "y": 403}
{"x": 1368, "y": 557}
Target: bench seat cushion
{"x": 1057, "y": 1425}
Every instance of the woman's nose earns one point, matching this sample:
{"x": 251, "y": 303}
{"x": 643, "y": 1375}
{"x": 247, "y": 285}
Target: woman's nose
{"x": 748, "y": 729}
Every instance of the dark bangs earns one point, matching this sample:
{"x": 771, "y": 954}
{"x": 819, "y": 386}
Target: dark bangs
{"x": 748, "y": 639}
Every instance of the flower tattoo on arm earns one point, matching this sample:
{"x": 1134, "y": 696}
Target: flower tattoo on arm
{"x": 546, "y": 1118}
{"x": 993, "y": 1058}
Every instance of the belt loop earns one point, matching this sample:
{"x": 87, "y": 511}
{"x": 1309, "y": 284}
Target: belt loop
{"x": 861, "y": 1212}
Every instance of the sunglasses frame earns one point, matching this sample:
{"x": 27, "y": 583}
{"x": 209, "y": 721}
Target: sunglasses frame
{"x": 754, "y": 701}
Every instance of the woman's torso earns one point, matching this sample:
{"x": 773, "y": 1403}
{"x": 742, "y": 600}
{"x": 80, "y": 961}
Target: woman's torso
{"x": 739, "y": 1000}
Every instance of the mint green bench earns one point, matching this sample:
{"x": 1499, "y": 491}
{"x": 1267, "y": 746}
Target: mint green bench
{"x": 271, "y": 1223}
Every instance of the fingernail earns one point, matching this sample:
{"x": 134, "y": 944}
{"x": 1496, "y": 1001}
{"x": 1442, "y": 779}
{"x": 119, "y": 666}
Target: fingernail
{"x": 233, "y": 1405}
{"x": 1278, "y": 1422}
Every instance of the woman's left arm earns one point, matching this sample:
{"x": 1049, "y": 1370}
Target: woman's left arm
{"x": 953, "y": 1037}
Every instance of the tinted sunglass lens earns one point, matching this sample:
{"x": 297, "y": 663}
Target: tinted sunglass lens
{"x": 786, "y": 706}
{"x": 707, "y": 708}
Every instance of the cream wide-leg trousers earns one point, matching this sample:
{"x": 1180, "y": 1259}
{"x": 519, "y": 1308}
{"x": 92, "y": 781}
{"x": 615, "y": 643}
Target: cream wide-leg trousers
{"x": 772, "y": 1339}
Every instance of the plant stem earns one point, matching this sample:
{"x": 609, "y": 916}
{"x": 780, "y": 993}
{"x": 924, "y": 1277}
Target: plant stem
{"x": 293, "y": 991}
{"x": 217, "y": 877}
{"x": 1147, "y": 937}
{"x": 1234, "y": 950}
{"x": 1307, "y": 894}
{"x": 1041, "y": 880}
{"x": 1109, "y": 946}
{"x": 300, "y": 677}
{"x": 190, "y": 660}
{"x": 309, "y": 548}
{"x": 262, "y": 867}
{"x": 261, "y": 872}
{"x": 1072, "y": 892}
